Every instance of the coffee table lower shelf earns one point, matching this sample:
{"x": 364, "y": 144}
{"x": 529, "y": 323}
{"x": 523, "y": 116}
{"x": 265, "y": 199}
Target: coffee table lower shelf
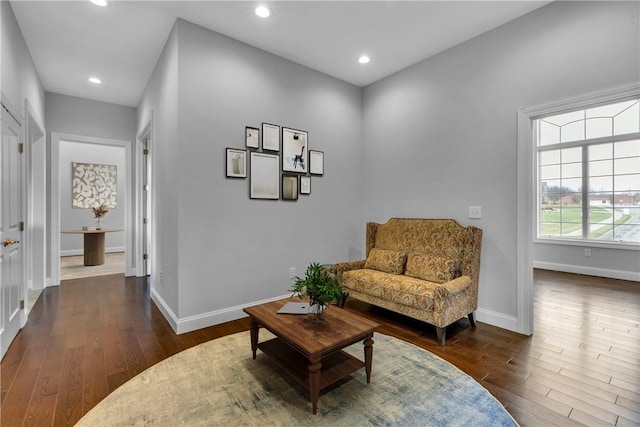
{"x": 335, "y": 366}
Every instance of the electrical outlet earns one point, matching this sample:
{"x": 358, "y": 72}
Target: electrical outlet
{"x": 587, "y": 252}
{"x": 161, "y": 276}
{"x": 475, "y": 212}
{"x": 292, "y": 272}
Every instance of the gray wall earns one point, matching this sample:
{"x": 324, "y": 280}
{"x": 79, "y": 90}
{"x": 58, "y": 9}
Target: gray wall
{"x": 93, "y": 119}
{"x": 606, "y": 262}
{"x": 85, "y": 117}
{"x": 20, "y": 79}
{"x": 70, "y": 218}
{"x": 441, "y": 135}
{"x": 159, "y": 103}
{"x": 231, "y": 250}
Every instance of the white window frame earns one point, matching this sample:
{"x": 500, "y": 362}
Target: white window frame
{"x": 586, "y": 102}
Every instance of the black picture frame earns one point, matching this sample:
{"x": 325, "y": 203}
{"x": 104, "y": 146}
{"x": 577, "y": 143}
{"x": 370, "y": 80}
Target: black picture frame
{"x": 290, "y": 186}
{"x": 305, "y": 184}
{"x": 252, "y": 137}
{"x": 236, "y": 163}
{"x": 264, "y": 176}
{"x": 295, "y": 147}
{"x": 270, "y": 137}
{"x": 316, "y": 162}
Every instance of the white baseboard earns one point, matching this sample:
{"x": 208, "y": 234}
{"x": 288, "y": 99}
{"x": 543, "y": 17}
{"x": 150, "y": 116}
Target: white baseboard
{"x": 204, "y": 320}
{"x": 165, "y": 310}
{"x": 192, "y": 323}
{"x": 76, "y": 252}
{"x": 216, "y": 317}
{"x": 589, "y": 271}
{"x": 497, "y": 319}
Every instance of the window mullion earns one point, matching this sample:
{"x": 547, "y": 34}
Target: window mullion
{"x": 585, "y": 192}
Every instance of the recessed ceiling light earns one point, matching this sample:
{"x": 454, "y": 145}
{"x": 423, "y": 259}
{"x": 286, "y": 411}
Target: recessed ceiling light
{"x": 263, "y": 11}
{"x": 95, "y": 80}
{"x": 364, "y": 59}
{"x": 99, "y": 2}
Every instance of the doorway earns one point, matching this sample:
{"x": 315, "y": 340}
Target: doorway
{"x": 146, "y": 197}
{"x": 124, "y": 201}
{"x": 36, "y": 207}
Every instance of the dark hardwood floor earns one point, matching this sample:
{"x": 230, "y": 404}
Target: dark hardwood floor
{"x": 581, "y": 366}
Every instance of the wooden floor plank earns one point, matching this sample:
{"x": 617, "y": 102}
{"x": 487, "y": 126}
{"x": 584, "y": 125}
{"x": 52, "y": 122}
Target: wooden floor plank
{"x": 70, "y": 395}
{"x": 95, "y": 384}
{"x": 89, "y": 336}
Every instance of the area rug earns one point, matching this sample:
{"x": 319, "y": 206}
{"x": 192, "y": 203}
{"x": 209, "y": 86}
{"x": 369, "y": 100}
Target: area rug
{"x": 72, "y": 267}
{"x": 218, "y": 383}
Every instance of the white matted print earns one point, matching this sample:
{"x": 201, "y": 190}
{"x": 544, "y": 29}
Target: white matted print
{"x": 270, "y": 137}
{"x": 236, "y": 163}
{"x": 316, "y": 162}
{"x": 265, "y": 173}
{"x": 252, "y": 137}
{"x": 294, "y": 150}
{"x": 305, "y": 185}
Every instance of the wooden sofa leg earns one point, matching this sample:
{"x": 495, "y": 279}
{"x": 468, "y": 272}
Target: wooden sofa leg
{"x": 343, "y": 301}
{"x": 441, "y": 333}
{"x": 472, "y": 320}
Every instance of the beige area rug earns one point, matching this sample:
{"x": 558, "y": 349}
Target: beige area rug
{"x": 219, "y": 384}
{"x": 72, "y": 267}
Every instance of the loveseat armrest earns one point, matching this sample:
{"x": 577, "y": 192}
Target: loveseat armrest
{"x": 341, "y": 267}
{"x": 455, "y": 286}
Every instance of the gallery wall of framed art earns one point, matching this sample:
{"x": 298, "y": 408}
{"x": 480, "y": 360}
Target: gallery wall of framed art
{"x": 277, "y": 160}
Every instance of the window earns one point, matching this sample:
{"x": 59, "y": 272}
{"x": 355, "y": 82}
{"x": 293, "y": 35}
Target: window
{"x": 588, "y": 173}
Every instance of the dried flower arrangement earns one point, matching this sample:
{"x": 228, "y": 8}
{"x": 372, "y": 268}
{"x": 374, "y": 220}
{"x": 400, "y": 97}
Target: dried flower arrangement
{"x": 99, "y": 211}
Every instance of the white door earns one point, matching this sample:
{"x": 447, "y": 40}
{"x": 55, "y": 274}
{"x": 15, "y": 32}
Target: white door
{"x": 11, "y": 262}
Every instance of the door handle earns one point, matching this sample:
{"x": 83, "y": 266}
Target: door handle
{"x": 8, "y": 242}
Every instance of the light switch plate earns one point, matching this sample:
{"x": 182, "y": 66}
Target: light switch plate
{"x": 475, "y": 212}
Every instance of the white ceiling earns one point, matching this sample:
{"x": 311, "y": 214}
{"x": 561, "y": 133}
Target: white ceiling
{"x": 120, "y": 43}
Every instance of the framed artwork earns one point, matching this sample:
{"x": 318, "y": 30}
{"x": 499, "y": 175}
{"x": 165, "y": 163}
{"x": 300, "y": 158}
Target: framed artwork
{"x": 263, "y": 180}
{"x": 236, "y": 163}
{"x": 305, "y": 184}
{"x": 93, "y": 184}
{"x": 316, "y": 162}
{"x": 270, "y": 137}
{"x": 289, "y": 187}
{"x": 294, "y": 150}
{"x": 252, "y": 137}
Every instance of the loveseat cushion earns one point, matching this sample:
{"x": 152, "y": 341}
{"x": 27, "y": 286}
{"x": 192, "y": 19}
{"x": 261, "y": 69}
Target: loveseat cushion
{"x": 386, "y": 261}
{"x": 430, "y": 267}
{"x": 393, "y": 287}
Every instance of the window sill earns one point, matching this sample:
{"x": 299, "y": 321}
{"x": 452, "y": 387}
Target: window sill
{"x": 590, "y": 244}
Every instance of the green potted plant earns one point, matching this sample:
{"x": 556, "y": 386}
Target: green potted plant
{"x": 320, "y": 285}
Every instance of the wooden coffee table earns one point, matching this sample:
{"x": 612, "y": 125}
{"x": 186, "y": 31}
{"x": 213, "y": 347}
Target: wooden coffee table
{"x": 310, "y": 351}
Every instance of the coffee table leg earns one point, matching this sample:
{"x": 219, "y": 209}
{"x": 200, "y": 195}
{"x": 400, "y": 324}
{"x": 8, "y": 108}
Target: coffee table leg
{"x": 368, "y": 356}
{"x": 314, "y": 383}
{"x": 254, "y": 337}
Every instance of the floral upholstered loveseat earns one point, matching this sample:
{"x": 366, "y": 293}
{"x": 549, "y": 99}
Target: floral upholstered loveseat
{"x": 423, "y": 268}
